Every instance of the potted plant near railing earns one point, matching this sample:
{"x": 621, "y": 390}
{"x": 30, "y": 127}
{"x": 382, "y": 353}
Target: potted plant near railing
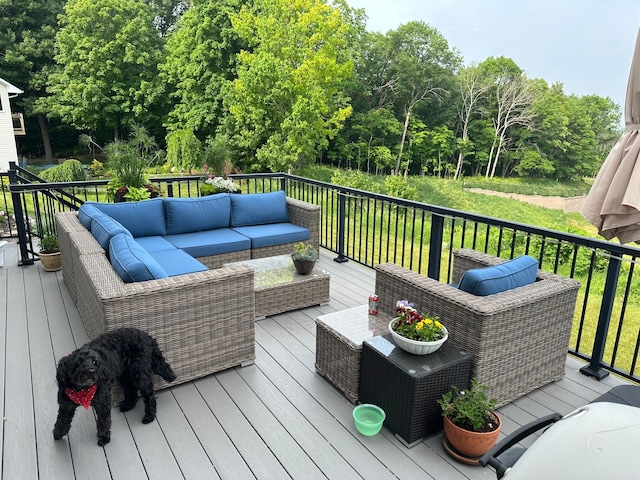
{"x": 50, "y": 252}
{"x": 471, "y": 426}
{"x": 129, "y": 161}
{"x": 304, "y": 257}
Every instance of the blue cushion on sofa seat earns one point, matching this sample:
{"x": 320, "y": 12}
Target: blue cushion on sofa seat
{"x": 489, "y": 280}
{"x": 142, "y": 219}
{"x": 103, "y": 228}
{"x": 259, "y": 209}
{"x": 211, "y": 242}
{"x": 184, "y": 215}
{"x": 86, "y": 213}
{"x": 155, "y": 244}
{"x": 132, "y": 262}
{"x": 274, "y": 234}
{"x": 177, "y": 262}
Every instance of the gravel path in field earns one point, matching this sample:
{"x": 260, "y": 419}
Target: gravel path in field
{"x": 571, "y": 204}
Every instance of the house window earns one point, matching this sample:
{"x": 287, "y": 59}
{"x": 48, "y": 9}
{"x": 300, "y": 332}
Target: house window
{"x": 18, "y": 124}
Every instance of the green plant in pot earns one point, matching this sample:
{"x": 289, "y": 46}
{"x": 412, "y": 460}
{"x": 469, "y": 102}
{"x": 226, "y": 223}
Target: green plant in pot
{"x": 50, "y": 252}
{"x": 304, "y": 257}
{"x": 129, "y": 160}
{"x": 471, "y": 425}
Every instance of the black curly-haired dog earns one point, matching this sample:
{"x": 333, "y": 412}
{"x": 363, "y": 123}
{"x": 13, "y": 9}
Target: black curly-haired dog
{"x": 85, "y": 377}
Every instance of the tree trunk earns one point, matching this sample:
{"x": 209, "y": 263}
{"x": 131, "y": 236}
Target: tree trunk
{"x": 46, "y": 141}
{"x": 404, "y": 136}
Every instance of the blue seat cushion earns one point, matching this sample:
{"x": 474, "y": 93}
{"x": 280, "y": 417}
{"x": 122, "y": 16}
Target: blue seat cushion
{"x": 177, "y": 262}
{"x": 142, "y": 219}
{"x": 515, "y": 273}
{"x": 155, "y": 244}
{"x": 132, "y": 262}
{"x": 103, "y": 228}
{"x": 184, "y": 215}
{"x": 259, "y": 209}
{"x": 211, "y": 242}
{"x": 274, "y": 234}
{"x": 86, "y": 213}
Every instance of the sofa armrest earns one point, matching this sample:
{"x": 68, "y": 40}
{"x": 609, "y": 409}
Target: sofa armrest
{"x": 305, "y": 215}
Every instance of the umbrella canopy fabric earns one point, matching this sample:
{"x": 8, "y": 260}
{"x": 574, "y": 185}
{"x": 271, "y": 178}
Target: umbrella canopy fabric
{"x": 613, "y": 203}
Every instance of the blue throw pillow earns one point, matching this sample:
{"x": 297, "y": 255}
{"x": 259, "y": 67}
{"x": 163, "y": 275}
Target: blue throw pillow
{"x": 142, "y": 219}
{"x": 259, "y": 208}
{"x": 103, "y": 228}
{"x": 185, "y": 215}
{"x": 489, "y": 280}
{"x": 132, "y": 262}
{"x": 86, "y": 212}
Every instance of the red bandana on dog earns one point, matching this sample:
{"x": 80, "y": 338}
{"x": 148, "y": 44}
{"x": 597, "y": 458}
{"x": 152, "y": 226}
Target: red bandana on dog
{"x": 82, "y": 397}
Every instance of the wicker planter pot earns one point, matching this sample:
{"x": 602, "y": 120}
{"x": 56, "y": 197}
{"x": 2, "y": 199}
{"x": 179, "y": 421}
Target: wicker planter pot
{"x": 416, "y": 347}
{"x": 51, "y": 262}
{"x": 470, "y": 444}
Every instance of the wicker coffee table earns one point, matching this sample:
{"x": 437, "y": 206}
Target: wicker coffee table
{"x": 406, "y": 386}
{"x": 279, "y": 288}
{"x": 339, "y": 338}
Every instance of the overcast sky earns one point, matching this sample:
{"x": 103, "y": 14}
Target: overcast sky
{"x": 586, "y": 45}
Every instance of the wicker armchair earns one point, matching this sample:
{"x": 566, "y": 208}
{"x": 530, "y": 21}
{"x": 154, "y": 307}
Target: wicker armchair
{"x": 519, "y": 338}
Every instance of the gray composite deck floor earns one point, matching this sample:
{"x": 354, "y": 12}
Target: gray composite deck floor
{"x": 275, "y": 419}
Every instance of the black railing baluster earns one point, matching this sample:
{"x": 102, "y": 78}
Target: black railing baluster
{"x": 341, "y": 258}
{"x": 435, "y": 246}
{"x": 594, "y": 369}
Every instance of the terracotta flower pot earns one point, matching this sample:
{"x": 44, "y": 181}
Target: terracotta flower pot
{"x": 470, "y": 444}
{"x": 51, "y": 262}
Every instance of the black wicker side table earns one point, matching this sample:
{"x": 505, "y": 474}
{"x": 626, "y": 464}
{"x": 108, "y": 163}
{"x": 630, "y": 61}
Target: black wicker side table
{"x": 406, "y": 386}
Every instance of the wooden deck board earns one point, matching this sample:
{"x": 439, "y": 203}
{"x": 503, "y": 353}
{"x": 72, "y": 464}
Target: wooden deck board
{"x": 275, "y": 419}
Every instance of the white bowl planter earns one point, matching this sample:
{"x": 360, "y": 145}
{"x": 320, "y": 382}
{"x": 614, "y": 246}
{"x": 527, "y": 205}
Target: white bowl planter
{"x": 416, "y": 347}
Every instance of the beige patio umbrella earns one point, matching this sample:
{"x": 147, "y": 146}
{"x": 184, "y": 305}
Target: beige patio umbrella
{"x": 613, "y": 203}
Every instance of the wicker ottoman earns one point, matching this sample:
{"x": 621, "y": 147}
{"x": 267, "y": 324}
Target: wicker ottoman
{"x": 339, "y": 338}
{"x": 406, "y": 386}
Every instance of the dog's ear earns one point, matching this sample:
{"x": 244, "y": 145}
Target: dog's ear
{"x": 63, "y": 370}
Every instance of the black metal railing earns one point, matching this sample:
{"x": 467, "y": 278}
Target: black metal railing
{"x": 371, "y": 228}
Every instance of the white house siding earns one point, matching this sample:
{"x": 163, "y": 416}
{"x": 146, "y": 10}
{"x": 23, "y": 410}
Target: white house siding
{"x": 8, "y": 151}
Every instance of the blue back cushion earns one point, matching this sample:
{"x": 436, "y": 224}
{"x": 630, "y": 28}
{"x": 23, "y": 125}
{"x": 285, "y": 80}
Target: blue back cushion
{"x": 184, "y": 215}
{"x": 86, "y": 213}
{"x": 489, "y": 280}
{"x": 132, "y": 262}
{"x": 103, "y": 228}
{"x": 258, "y": 208}
{"x": 142, "y": 219}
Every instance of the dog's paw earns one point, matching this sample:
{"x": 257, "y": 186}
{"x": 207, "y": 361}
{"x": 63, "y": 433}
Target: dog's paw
{"x": 148, "y": 418}
{"x": 57, "y": 435}
{"x": 103, "y": 440}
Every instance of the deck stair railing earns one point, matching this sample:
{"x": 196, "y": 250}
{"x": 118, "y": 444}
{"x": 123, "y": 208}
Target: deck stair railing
{"x": 371, "y": 228}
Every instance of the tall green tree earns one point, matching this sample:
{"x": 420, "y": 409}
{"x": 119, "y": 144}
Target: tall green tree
{"x": 27, "y": 37}
{"x": 288, "y": 98}
{"x": 201, "y": 59}
{"x": 108, "y": 55}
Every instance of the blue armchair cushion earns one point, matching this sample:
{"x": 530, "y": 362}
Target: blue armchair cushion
{"x": 184, "y": 215}
{"x": 515, "y": 273}
{"x": 177, "y": 262}
{"x": 142, "y": 219}
{"x": 259, "y": 209}
{"x": 103, "y": 228}
{"x": 274, "y": 234}
{"x": 132, "y": 262}
{"x": 86, "y": 213}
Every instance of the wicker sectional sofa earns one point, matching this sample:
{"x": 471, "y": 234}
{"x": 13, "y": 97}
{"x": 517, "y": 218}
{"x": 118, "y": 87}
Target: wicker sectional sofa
{"x": 202, "y": 319}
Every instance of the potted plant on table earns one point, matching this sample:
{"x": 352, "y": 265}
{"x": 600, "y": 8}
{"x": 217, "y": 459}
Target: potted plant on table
{"x": 471, "y": 426}
{"x": 304, "y": 257}
{"x": 50, "y": 252}
{"x": 414, "y": 332}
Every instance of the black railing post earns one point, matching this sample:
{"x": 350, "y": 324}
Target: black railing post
{"x": 283, "y": 184}
{"x": 594, "y": 369}
{"x": 25, "y": 259}
{"x": 435, "y": 246}
{"x": 342, "y": 206}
